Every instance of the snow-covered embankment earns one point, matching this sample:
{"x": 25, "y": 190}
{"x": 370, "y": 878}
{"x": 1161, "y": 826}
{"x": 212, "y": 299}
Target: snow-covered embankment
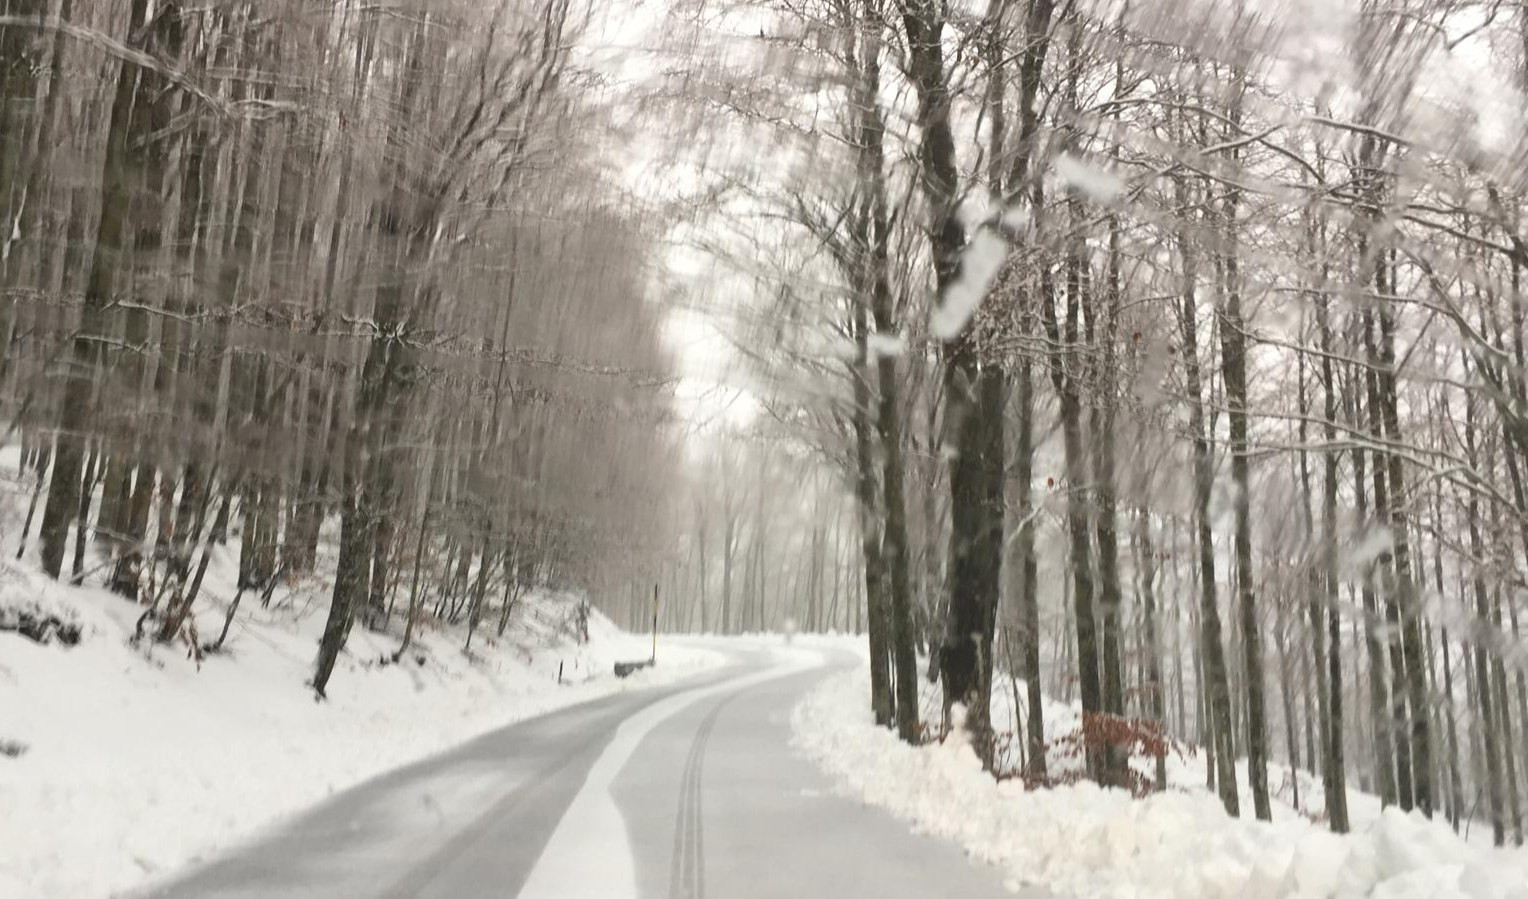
{"x": 133, "y": 763}
{"x": 1085, "y": 841}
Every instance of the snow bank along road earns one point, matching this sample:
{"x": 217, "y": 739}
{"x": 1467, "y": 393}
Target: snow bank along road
{"x": 688, "y": 790}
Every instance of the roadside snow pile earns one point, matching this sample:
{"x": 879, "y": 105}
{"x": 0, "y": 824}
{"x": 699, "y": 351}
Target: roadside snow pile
{"x": 1085, "y": 841}
{"x": 133, "y": 763}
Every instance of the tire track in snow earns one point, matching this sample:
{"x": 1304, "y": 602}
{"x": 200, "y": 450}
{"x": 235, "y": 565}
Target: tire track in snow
{"x": 687, "y": 870}
{"x": 589, "y": 854}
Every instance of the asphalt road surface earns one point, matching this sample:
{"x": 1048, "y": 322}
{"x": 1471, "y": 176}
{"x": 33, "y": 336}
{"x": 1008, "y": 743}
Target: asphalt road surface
{"x": 685, "y": 791}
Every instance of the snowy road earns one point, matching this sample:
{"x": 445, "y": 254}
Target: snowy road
{"x": 689, "y": 790}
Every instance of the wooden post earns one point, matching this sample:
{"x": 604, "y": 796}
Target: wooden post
{"x": 654, "y": 658}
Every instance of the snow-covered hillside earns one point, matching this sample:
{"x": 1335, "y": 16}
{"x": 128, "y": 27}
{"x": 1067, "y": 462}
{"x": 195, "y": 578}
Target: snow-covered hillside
{"x": 1081, "y": 840}
{"x": 126, "y": 762}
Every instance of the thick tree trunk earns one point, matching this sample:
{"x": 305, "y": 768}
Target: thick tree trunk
{"x": 381, "y": 570}
{"x": 1419, "y": 742}
{"x": 350, "y": 586}
{"x": 876, "y": 291}
{"x": 405, "y": 229}
{"x": 1064, "y": 377}
{"x": 21, "y": 51}
{"x": 881, "y": 698}
{"x": 1389, "y": 577}
{"x": 1102, "y": 335}
{"x": 75, "y": 413}
{"x": 972, "y": 581}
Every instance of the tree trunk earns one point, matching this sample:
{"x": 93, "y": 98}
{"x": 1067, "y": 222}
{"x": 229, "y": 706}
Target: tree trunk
{"x": 75, "y": 411}
{"x": 881, "y": 699}
{"x": 1217, "y": 691}
{"x": 1153, "y": 685}
{"x": 876, "y": 291}
{"x": 1333, "y": 774}
{"x": 1029, "y": 603}
{"x": 972, "y": 588}
{"x": 1379, "y": 696}
{"x": 1233, "y": 344}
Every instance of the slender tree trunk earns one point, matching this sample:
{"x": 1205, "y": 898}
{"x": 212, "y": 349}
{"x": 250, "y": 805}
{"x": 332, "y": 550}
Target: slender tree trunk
{"x": 1233, "y": 357}
{"x": 1029, "y": 602}
{"x": 1153, "y": 686}
{"x": 1379, "y": 696}
{"x": 1333, "y": 773}
{"x": 729, "y": 545}
{"x": 1217, "y": 691}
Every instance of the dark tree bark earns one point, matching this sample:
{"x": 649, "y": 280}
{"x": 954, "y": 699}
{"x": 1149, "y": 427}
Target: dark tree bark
{"x": 1333, "y": 771}
{"x": 1233, "y": 343}
{"x": 21, "y": 51}
{"x": 404, "y": 229}
{"x": 1102, "y": 334}
{"x": 1420, "y": 733}
{"x": 1389, "y": 577}
{"x": 877, "y": 228}
{"x": 1379, "y": 694}
{"x": 882, "y": 702}
{"x": 1065, "y": 377}
{"x": 973, "y": 579}
{"x": 1147, "y": 553}
{"x": 119, "y": 173}
{"x": 1029, "y": 601}
{"x": 82, "y": 522}
{"x": 1217, "y": 690}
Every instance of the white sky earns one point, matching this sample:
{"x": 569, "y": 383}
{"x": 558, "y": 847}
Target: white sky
{"x": 625, "y": 42}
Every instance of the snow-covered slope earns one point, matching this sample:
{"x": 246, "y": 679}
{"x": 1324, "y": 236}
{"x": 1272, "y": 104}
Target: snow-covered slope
{"x": 1081, "y": 840}
{"x": 133, "y": 762}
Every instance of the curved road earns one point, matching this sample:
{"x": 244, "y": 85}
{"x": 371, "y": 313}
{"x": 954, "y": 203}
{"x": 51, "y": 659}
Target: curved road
{"x": 684, "y": 791}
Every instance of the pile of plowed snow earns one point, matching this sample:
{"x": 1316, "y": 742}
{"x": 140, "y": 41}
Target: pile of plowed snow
{"x": 1081, "y": 840}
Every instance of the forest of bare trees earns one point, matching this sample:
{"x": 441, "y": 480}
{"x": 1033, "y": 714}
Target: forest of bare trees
{"x": 272, "y": 269}
{"x": 1168, "y": 357}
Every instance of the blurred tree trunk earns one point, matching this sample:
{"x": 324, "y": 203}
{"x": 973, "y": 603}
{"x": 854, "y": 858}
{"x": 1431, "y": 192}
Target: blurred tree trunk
{"x": 1233, "y": 354}
{"x": 1216, "y": 689}
{"x": 876, "y": 250}
{"x": 120, "y": 176}
{"x": 1333, "y": 769}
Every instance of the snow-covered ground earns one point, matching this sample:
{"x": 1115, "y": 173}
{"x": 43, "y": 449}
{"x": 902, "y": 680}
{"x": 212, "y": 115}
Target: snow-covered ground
{"x": 1081, "y": 840}
{"x": 133, "y": 762}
